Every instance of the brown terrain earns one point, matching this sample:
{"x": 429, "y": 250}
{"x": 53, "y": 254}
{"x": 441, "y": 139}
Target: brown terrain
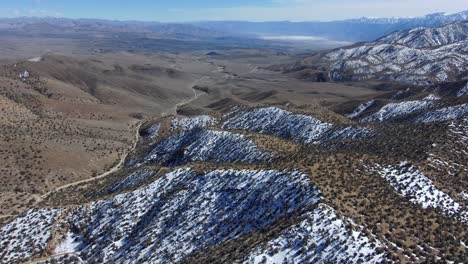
{"x": 75, "y": 117}
{"x": 68, "y": 127}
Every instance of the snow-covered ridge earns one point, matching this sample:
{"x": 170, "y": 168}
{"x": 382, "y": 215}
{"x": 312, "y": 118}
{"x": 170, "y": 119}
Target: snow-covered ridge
{"x": 361, "y": 108}
{"x": 409, "y": 182}
{"x": 441, "y": 17}
{"x": 27, "y": 235}
{"x": 298, "y": 127}
{"x": 349, "y": 132}
{"x": 278, "y": 122}
{"x": 321, "y": 237}
{"x": 445, "y": 114}
{"x": 401, "y": 57}
{"x": 189, "y": 123}
{"x": 184, "y": 211}
{"x": 429, "y": 37}
{"x": 206, "y": 145}
{"x": 396, "y": 110}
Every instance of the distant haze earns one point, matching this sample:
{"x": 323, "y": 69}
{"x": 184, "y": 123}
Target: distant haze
{"x": 204, "y": 10}
{"x": 313, "y": 41}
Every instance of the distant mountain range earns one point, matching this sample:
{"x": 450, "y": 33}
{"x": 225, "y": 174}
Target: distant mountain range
{"x": 351, "y": 30}
{"x": 420, "y": 56}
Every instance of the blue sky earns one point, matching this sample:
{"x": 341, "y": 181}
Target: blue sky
{"x": 253, "y": 10}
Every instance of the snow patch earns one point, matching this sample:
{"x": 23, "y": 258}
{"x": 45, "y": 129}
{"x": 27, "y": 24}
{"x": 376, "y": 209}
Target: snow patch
{"x": 206, "y": 145}
{"x": 444, "y": 114}
{"x": 463, "y": 91}
{"x": 27, "y": 235}
{"x": 185, "y": 211}
{"x": 360, "y": 109}
{"x": 153, "y": 131}
{"x": 409, "y": 182}
{"x": 68, "y": 245}
{"x": 24, "y": 75}
{"x": 189, "y": 123}
{"x": 395, "y": 110}
{"x": 278, "y": 122}
{"x": 321, "y": 237}
{"x": 431, "y": 97}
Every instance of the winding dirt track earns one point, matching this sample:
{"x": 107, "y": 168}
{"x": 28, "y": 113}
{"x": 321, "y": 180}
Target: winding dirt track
{"x": 173, "y": 110}
{"x": 122, "y": 159}
{"x": 112, "y": 170}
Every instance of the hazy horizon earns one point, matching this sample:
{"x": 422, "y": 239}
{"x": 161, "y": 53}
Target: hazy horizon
{"x": 210, "y": 10}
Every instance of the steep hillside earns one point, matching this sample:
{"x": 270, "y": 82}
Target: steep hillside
{"x": 429, "y": 37}
{"x": 65, "y": 119}
{"x": 204, "y": 189}
{"x": 213, "y": 158}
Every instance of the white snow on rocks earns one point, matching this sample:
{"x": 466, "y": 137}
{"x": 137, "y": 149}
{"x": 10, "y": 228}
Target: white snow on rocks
{"x": 429, "y": 37}
{"x": 463, "y": 90}
{"x": 184, "y": 211}
{"x": 431, "y": 97}
{"x": 132, "y": 180}
{"x": 361, "y": 108}
{"x": 396, "y": 110}
{"x": 278, "y": 122}
{"x": 297, "y": 127}
{"x": 68, "y": 245}
{"x": 35, "y": 59}
{"x": 407, "y": 56}
{"x": 444, "y": 114}
{"x": 153, "y": 131}
{"x": 322, "y": 237}
{"x": 27, "y": 235}
{"x": 189, "y": 123}
{"x": 275, "y": 121}
{"x": 24, "y": 75}
{"x": 409, "y": 182}
{"x": 206, "y": 145}
{"x": 349, "y": 132}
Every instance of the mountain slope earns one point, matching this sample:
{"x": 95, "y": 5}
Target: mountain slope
{"x": 429, "y": 37}
{"x": 419, "y": 56}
